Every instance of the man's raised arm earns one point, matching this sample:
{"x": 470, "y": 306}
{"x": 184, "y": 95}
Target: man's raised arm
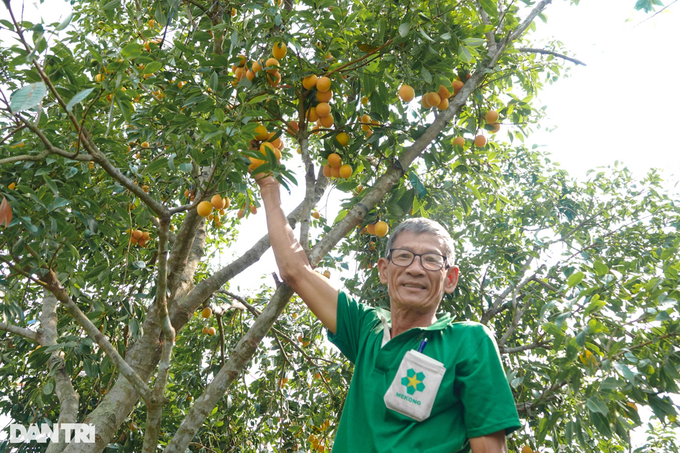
{"x": 314, "y": 289}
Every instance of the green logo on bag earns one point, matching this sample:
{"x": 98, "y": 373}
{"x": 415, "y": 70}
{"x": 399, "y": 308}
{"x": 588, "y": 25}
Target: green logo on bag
{"x": 413, "y": 381}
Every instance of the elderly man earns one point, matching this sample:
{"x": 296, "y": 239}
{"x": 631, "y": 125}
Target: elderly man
{"x": 420, "y": 384}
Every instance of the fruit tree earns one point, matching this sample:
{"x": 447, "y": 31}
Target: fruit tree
{"x": 129, "y": 136}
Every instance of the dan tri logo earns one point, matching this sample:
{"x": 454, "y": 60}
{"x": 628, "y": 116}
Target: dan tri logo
{"x": 413, "y": 381}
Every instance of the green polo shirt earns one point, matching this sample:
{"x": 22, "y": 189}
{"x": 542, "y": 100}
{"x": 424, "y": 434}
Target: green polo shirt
{"x": 473, "y": 400}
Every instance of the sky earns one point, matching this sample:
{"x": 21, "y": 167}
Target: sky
{"x": 621, "y": 107}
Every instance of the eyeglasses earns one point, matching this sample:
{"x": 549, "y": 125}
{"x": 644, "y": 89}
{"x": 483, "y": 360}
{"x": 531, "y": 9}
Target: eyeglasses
{"x": 429, "y": 261}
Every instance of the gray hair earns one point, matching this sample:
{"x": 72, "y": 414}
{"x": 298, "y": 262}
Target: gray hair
{"x": 420, "y": 225}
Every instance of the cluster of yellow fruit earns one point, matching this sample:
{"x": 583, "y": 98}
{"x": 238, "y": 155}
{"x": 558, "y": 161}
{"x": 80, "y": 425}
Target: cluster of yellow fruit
{"x": 367, "y": 124}
{"x": 209, "y": 331}
{"x": 335, "y": 168}
{"x": 205, "y": 208}
{"x": 241, "y": 70}
{"x": 379, "y": 229}
{"x": 317, "y": 443}
{"x": 491, "y": 118}
{"x": 264, "y": 140}
{"x": 302, "y": 340}
{"x": 138, "y": 237}
{"x": 190, "y": 194}
{"x": 321, "y": 113}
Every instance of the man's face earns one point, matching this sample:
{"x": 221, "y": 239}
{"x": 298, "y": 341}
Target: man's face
{"x": 414, "y": 287}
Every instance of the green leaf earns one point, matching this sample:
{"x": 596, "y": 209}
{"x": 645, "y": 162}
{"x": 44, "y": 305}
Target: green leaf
{"x": 600, "y": 268}
{"x": 473, "y": 42}
{"x": 425, "y": 74}
{"x": 489, "y": 6}
{"x": 51, "y": 185}
{"x": 404, "y": 29}
{"x": 27, "y": 97}
{"x": 464, "y": 54}
{"x": 152, "y": 67}
{"x": 78, "y": 98}
{"x": 132, "y": 50}
{"x": 64, "y": 23}
{"x": 575, "y": 278}
{"x": 49, "y": 387}
{"x": 156, "y": 165}
{"x": 597, "y": 405}
{"x": 214, "y": 81}
{"x": 111, "y": 5}
{"x": 57, "y": 203}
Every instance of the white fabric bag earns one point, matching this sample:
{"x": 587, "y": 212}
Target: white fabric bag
{"x": 415, "y": 386}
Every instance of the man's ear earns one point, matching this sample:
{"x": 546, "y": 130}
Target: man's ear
{"x": 451, "y": 281}
{"x": 382, "y": 270}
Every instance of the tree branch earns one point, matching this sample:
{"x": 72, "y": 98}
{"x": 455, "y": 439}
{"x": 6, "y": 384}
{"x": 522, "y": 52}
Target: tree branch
{"x": 21, "y": 331}
{"x": 58, "y": 290}
{"x": 550, "y": 52}
{"x": 66, "y": 394}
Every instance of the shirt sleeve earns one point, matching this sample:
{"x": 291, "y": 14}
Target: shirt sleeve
{"x": 351, "y": 316}
{"x": 487, "y": 399}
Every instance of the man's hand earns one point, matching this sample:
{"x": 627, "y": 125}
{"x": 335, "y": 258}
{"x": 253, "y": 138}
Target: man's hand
{"x": 493, "y": 443}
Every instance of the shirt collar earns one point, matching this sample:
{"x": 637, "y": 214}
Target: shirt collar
{"x": 385, "y": 317}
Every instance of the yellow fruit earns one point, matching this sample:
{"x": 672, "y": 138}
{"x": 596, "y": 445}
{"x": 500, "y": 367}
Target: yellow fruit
{"x": 317, "y": 376}
{"x": 216, "y": 201}
{"x": 240, "y": 213}
{"x": 137, "y": 234}
{"x": 327, "y": 273}
{"x": 324, "y": 97}
{"x": 632, "y": 405}
{"x": 261, "y": 132}
{"x": 253, "y": 209}
{"x": 205, "y": 330}
{"x": 316, "y": 215}
{"x": 366, "y": 120}
{"x": 335, "y": 172}
{"x": 444, "y": 104}
{"x": 327, "y": 171}
{"x": 257, "y": 67}
{"x": 145, "y": 144}
{"x": 406, "y": 93}
{"x": 206, "y": 312}
{"x": 279, "y": 50}
{"x": 212, "y": 331}
{"x": 496, "y": 128}
{"x": 323, "y": 109}
{"x": 342, "y": 138}
{"x": 250, "y": 75}
{"x": 334, "y": 160}
{"x": 457, "y": 86}
{"x": 345, "y": 171}
{"x": 423, "y": 102}
{"x": 146, "y": 235}
{"x": 272, "y": 64}
{"x": 432, "y": 99}
{"x": 99, "y": 78}
{"x": 204, "y": 208}
{"x": 327, "y": 121}
{"x": 309, "y": 82}
{"x": 242, "y": 60}
{"x": 381, "y": 229}
{"x": 233, "y": 12}
{"x": 527, "y": 449}
{"x": 370, "y": 228}
{"x": 491, "y": 116}
{"x": 312, "y": 115}
{"x": 12, "y": 186}
{"x": 459, "y": 141}
{"x": 443, "y": 92}
{"x": 181, "y": 84}
{"x": 364, "y": 100}
{"x": 323, "y": 84}
{"x": 480, "y": 141}
{"x": 152, "y": 23}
